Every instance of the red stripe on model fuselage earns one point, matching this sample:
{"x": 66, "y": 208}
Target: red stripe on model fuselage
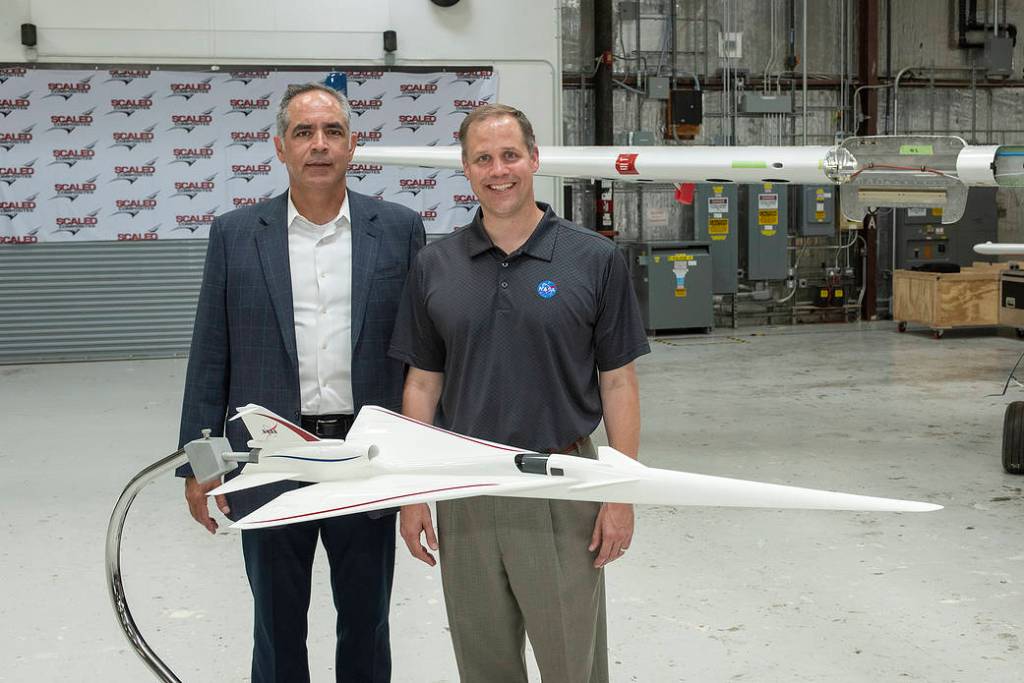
{"x": 298, "y": 430}
{"x": 370, "y": 502}
{"x": 455, "y": 434}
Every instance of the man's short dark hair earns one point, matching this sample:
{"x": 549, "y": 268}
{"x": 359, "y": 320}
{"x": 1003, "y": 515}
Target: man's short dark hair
{"x": 493, "y": 111}
{"x": 296, "y": 89}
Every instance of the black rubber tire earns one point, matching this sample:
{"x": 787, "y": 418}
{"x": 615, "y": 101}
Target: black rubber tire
{"x": 901, "y": 326}
{"x": 1020, "y": 333}
{"x": 1013, "y": 438}
{"x": 938, "y": 333}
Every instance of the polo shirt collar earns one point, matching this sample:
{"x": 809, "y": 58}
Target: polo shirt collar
{"x": 540, "y": 244}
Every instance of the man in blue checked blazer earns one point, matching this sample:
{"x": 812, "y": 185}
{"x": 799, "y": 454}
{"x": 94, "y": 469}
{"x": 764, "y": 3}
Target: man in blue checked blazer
{"x": 295, "y": 313}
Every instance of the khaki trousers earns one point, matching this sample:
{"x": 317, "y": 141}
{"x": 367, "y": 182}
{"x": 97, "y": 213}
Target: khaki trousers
{"x": 520, "y": 566}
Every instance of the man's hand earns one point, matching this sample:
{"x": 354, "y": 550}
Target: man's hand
{"x": 613, "y": 532}
{"x": 198, "y": 502}
{"x": 412, "y": 521}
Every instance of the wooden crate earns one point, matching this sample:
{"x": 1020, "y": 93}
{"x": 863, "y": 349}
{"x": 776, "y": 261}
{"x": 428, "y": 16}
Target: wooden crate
{"x": 943, "y": 301}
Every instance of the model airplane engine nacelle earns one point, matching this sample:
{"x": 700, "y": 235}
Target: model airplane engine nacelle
{"x": 537, "y": 463}
{"x": 350, "y": 449}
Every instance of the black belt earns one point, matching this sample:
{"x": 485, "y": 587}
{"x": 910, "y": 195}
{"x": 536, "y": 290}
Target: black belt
{"x": 328, "y": 426}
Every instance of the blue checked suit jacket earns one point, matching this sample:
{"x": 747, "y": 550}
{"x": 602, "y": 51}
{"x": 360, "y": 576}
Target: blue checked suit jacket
{"x": 243, "y": 342}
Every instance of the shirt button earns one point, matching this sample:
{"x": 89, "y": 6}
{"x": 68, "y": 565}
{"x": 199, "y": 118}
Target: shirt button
{"x": 504, "y": 285}
{"x": 504, "y": 264}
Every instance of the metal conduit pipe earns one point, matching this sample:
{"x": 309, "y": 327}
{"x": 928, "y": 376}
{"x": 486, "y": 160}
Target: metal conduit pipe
{"x": 117, "y": 597}
{"x": 903, "y": 71}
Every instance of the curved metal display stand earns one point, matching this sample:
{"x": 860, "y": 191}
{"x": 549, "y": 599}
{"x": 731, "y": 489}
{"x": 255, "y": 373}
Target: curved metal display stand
{"x": 117, "y": 598}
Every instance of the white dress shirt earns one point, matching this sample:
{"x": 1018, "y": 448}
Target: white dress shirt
{"x": 320, "y": 261}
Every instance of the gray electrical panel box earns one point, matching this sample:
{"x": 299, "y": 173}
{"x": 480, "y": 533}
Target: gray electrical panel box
{"x": 673, "y": 283}
{"x": 817, "y": 211}
{"x": 716, "y": 221}
{"x": 767, "y": 228}
{"x": 922, "y": 238}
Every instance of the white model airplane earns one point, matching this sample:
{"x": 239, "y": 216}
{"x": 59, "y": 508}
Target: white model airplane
{"x": 900, "y": 171}
{"x": 390, "y": 460}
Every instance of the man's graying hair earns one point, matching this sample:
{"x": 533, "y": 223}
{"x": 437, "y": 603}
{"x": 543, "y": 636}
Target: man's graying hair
{"x": 493, "y": 111}
{"x": 296, "y": 89}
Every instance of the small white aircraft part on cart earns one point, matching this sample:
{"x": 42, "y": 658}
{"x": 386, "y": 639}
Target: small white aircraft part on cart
{"x": 999, "y": 249}
{"x": 390, "y": 460}
{"x": 898, "y": 171}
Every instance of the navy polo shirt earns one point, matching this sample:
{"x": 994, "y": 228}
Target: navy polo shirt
{"x": 520, "y": 337}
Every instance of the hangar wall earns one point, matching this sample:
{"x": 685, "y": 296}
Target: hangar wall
{"x": 936, "y": 95}
{"x": 111, "y": 300}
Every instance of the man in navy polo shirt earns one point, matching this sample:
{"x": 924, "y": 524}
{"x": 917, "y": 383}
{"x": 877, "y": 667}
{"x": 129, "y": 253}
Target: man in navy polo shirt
{"x": 521, "y": 328}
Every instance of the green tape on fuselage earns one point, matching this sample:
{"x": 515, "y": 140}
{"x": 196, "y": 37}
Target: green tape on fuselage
{"x": 916, "y": 150}
{"x": 749, "y": 164}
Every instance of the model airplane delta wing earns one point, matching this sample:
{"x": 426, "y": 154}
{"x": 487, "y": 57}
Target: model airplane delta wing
{"x": 390, "y": 460}
{"x": 897, "y": 171}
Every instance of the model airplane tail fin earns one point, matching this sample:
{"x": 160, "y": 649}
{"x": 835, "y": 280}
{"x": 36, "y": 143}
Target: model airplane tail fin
{"x": 271, "y": 431}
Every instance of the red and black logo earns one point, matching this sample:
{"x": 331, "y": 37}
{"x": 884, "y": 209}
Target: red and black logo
{"x": 470, "y": 77}
{"x": 9, "y": 72}
{"x": 248, "y": 138}
{"x": 364, "y": 136}
{"x": 361, "y": 77}
{"x": 195, "y": 221}
{"x": 69, "y": 90}
{"x": 248, "y": 172}
{"x": 69, "y": 123}
{"x": 11, "y": 140}
{"x": 133, "y": 207}
{"x": 246, "y": 106}
{"x": 416, "y": 121}
{"x": 13, "y": 209}
{"x": 28, "y": 238}
{"x": 363, "y": 105}
{"x": 247, "y": 77}
{"x": 361, "y": 171}
{"x": 133, "y": 172}
{"x": 194, "y": 188}
{"x": 190, "y": 90}
{"x": 464, "y": 106}
{"x": 465, "y": 201}
{"x": 133, "y": 138}
{"x": 430, "y": 214}
{"x": 189, "y": 122}
{"x": 416, "y": 185}
{"x": 12, "y": 174}
{"x": 414, "y": 91}
{"x": 70, "y": 157}
{"x": 9, "y": 105}
{"x": 190, "y": 155}
{"x": 129, "y": 106}
{"x": 75, "y": 224}
{"x": 150, "y": 234}
{"x": 250, "y": 201}
{"x": 73, "y": 191}
{"x": 127, "y": 76}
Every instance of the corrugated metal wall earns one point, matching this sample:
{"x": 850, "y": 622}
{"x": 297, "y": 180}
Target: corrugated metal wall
{"x": 99, "y": 300}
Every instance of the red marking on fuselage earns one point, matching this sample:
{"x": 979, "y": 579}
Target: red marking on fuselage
{"x": 371, "y": 502}
{"x": 455, "y": 434}
{"x": 625, "y": 164}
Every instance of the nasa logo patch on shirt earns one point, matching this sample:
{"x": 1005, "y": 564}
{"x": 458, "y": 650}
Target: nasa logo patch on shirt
{"x": 546, "y": 289}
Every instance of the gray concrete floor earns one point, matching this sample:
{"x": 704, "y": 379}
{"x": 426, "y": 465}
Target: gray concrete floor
{"x": 704, "y": 594}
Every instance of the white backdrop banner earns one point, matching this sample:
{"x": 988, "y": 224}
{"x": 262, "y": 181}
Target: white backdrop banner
{"x": 140, "y": 154}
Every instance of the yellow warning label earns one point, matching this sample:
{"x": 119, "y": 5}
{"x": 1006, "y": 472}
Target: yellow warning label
{"x": 838, "y": 293}
{"x": 937, "y": 211}
{"x": 819, "y": 215}
{"x": 768, "y": 217}
{"x": 717, "y": 189}
{"x": 823, "y": 293}
{"x": 657, "y": 259}
{"x": 769, "y": 231}
{"x": 681, "y": 257}
{"x": 680, "y": 291}
{"x": 718, "y": 226}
